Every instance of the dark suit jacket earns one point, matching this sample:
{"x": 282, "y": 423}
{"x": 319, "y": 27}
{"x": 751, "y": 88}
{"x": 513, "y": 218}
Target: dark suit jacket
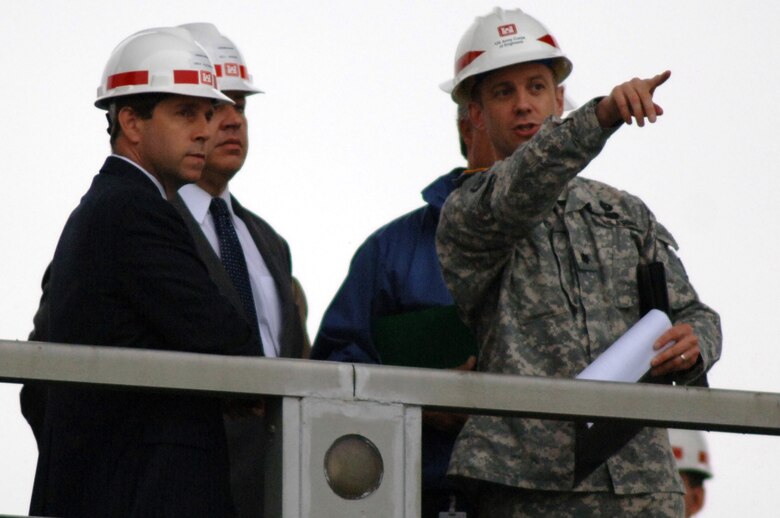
{"x": 246, "y": 435}
{"x": 126, "y": 273}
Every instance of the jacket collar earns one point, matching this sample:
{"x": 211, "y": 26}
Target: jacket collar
{"x": 126, "y": 168}
{"x": 436, "y": 193}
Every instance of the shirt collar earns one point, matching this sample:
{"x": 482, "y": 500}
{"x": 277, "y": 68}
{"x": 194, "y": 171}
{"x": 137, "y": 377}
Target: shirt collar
{"x": 198, "y": 201}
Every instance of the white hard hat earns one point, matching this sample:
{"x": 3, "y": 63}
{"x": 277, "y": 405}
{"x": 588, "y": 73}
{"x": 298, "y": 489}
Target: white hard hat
{"x": 500, "y": 39}
{"x": 159, "y": 60}
{"x": 690, "y": 451}
{"x": 232, "y": 74}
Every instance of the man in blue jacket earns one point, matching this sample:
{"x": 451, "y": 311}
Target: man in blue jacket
{"x": 393, "y": 308}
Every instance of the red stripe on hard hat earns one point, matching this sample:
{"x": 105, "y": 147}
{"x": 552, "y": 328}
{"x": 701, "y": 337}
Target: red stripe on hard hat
{"x": 548, "y": 39}
{"x": 193, "y": 77}
{"x": 466, "y": 59}
{"x": 244, "y": 74}
{"x": 218, "y": 70}
{"x": 678, "y": 453}
{"x": 703, "y": 457}
{"x": 138, "y": 77}
{"x": 186, "y": 77}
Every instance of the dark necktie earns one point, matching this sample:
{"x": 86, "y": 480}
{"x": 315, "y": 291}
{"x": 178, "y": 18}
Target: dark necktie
{"x": 233, "y": 259}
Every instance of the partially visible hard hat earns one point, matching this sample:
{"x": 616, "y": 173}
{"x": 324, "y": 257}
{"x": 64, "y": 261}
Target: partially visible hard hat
{"x": 231, "y": 69}
{"x": 690, "y": 451}
{"x": 159, "y": 60}
{"x": 500, "y": 39}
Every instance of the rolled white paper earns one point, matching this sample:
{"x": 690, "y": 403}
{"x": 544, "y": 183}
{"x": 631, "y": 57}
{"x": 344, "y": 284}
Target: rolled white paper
{"x": 628, "y": 359}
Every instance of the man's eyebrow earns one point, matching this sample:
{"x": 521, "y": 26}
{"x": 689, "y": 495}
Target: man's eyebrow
{"x": 534, "y": 77}
{"x": 187, "y": 104}
{"x": 537, "y": 76}
{"x": 505, "y": 82}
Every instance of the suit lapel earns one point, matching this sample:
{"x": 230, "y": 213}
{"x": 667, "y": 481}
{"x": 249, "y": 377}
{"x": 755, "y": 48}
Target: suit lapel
{"x": 276, "y": 259}
{"x": 213, "y": 264}
{"x": 278, "y": 266}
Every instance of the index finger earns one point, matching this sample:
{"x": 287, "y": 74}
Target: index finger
{"x": 659, "y": 79}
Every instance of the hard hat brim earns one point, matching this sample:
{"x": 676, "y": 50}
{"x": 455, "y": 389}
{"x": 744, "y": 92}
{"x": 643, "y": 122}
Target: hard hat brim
{"x": 204, "y": 92}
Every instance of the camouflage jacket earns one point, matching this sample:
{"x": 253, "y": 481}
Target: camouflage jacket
{"x": 542, "y": 265}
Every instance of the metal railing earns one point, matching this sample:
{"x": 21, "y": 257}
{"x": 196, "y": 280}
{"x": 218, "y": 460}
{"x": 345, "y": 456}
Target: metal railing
{"x": 471, "y": 392}
{"x": 314, "y": 404}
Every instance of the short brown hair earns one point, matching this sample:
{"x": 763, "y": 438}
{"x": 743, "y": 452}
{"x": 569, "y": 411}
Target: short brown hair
{"x": 142, "y": 104}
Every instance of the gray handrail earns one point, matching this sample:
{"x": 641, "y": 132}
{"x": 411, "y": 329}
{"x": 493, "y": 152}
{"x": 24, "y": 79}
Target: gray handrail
{"x": 470, "y": 392}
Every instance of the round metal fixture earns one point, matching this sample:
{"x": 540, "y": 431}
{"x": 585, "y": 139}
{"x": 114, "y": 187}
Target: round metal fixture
{"x": 353, "y": 467}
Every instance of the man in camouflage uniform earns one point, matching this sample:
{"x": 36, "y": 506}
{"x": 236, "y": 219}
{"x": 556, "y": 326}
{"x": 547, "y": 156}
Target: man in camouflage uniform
{"x": 542, "y": 264}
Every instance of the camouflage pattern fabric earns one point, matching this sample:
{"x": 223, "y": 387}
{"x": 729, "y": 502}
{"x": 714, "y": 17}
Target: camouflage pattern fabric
{"x": 542, "y": 265}
{"x": 518, "y": 503}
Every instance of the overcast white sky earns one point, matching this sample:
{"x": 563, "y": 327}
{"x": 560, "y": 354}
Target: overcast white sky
{"x": 353, "y": 126}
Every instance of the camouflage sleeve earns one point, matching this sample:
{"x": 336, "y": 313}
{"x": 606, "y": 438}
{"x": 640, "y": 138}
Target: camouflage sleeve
{"x": 484, "y": 217}
{"x": 686, "y": 306}
{"x": 492, "y": 209}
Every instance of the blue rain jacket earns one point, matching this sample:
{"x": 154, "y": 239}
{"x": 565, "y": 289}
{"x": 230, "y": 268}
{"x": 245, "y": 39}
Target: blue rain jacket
{"x": 396, "y": 270}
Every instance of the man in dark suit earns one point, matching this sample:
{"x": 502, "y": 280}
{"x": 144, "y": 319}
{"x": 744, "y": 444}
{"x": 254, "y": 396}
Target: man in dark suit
{"x": 126, "y": 274}
{"x": 265, "y": 252}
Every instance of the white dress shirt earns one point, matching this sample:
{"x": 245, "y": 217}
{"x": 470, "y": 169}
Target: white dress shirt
{"x": 269, "y": 311}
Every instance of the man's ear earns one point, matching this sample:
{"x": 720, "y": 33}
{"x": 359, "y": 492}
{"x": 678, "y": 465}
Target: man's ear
{"x": 465, "y": 130}
{"x": 131, "y": 124}
{"x": 476, "y": 115}
{"x": 559, "y": 100}
{"x": 696, "y": 499}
